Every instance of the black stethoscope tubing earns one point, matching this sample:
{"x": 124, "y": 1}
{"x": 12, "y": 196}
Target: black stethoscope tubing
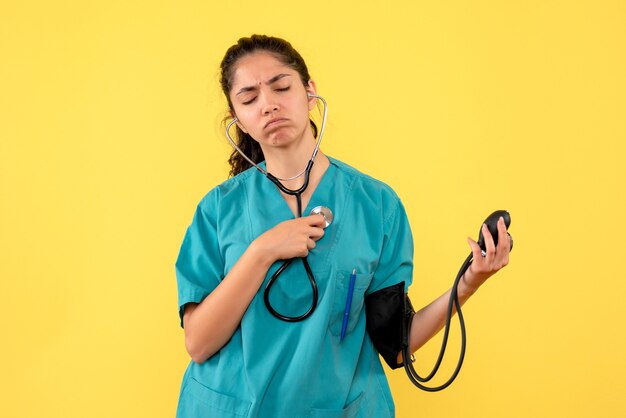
{"x": 298, "y": 194}
{"x": 266, "y": 294}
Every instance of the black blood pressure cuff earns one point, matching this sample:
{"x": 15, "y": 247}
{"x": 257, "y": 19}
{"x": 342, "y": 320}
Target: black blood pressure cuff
{"x": 388, "y": 312}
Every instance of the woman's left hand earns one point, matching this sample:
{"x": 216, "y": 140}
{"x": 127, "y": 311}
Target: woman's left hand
{"x": 494, "y": 259}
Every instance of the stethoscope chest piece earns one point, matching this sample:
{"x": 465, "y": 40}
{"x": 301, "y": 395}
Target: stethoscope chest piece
{"x": 325, "y": 212}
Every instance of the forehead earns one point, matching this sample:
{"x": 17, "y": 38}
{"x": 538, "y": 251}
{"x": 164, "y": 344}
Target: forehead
{"x": 258, "y": 67}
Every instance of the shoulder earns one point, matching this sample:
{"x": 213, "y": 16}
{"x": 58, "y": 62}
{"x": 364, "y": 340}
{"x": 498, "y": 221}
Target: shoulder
{"x": 377, "y": 191}
{"x": 233, "y": 188}
{"x": 364, "y": 180}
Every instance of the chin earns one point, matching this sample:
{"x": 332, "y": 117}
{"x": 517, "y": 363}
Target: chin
{"x": 280, "y": 139}
{"x": 280, "y": 142}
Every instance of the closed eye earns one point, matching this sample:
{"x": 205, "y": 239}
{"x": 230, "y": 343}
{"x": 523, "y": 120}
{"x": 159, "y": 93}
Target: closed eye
{"x": 249, "y": 101}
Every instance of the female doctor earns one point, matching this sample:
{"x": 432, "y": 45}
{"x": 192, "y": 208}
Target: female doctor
{"x": 246, "y": 361}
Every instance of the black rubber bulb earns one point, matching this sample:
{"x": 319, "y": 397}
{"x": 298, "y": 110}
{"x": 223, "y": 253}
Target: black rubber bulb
{"x": 492, "y": 225}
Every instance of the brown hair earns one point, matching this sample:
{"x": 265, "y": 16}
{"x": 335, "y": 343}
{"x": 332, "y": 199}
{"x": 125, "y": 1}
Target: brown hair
{"x": 285, "y": 53}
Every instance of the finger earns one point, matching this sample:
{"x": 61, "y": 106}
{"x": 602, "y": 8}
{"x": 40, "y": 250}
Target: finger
{"x": 476, "y": 250}
{"x": 503, "y": 253}
{"x": 310, "y": 244}
{"x": 315, "y": 220}
{"x": 503, "y": 236}
{"x": 490, "y": 248}
{"x": 316, "y": 233}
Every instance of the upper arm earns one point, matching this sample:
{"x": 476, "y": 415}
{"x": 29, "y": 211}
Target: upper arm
{"x": 396, "y": 258}
{"x": 199, "y": 266}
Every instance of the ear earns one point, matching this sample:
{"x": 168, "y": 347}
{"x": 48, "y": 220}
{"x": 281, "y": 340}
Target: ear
{"x": 310, "y": 88}
{"x": 232, "y": 114}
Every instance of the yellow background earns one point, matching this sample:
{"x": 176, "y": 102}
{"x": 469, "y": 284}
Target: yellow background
{"x": 110, "y": 135}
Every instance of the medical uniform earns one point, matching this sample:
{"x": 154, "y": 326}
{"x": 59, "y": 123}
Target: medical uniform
{"x": 271, "y": 368}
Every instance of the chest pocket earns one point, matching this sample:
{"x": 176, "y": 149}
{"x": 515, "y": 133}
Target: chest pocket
{"x": 342, "y": 287}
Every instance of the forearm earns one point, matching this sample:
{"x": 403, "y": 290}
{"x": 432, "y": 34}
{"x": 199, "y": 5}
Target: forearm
{"x": 212, "y": 323}
{"x": 428, "y": 321}
{"x": 486, "y": 262}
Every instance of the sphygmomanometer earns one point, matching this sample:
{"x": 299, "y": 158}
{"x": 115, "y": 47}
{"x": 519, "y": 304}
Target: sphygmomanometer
{"x": 389, "y": 315}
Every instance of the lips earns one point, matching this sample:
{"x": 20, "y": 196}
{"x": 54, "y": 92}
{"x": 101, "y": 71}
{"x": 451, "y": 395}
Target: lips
{"x": 273, "y": 122}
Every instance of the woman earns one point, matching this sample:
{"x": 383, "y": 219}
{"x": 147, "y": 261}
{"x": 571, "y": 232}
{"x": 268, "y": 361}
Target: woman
{"x": 247, "y": 362}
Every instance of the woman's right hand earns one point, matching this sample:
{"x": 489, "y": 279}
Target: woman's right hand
{"x": 291, "y": 239}
{"x": 210, "y": 324}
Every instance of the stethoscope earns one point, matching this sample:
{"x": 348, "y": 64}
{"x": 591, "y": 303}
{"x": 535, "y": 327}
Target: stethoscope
{"x": 322, "y": 210}
{"x": 454, "y": 302}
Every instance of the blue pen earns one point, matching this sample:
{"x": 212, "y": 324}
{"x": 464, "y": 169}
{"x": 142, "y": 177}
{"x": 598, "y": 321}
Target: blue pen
{"x": 346, "y": 312}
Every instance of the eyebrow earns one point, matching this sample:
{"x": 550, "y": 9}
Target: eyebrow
{"x": 270, "y": 81}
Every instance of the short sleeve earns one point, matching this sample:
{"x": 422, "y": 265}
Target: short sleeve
{"x": 199, "y": 267}
{"x": 396, "y": 259}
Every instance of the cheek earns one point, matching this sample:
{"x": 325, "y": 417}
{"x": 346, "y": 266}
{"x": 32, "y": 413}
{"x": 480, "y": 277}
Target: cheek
{"x": 303, "y": 108}
{"x": 244, "y": 116}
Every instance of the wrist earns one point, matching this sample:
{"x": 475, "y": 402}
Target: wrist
{"x": 465, "y": 289}
{"x": 260, "y": 254}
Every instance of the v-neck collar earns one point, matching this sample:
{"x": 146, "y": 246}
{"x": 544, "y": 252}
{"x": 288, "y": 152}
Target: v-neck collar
{"x": 321, "y": 188}
{"x": 268, "y": 207}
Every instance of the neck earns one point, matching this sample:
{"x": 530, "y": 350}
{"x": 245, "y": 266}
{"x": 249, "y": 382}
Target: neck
{"x": 288, "y": 161}
{"x": 283, "y": 163}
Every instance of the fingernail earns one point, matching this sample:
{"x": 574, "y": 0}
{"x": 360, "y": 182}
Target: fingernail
{"x": 485, "y": 226}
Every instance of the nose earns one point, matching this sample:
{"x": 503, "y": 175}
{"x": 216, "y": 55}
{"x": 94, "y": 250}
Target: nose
{"x": 270, "y": 108}
{"x": 269, "y": 105}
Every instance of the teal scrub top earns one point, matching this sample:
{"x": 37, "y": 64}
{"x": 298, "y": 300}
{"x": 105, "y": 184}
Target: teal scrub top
{"x": 271, "y": 368}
